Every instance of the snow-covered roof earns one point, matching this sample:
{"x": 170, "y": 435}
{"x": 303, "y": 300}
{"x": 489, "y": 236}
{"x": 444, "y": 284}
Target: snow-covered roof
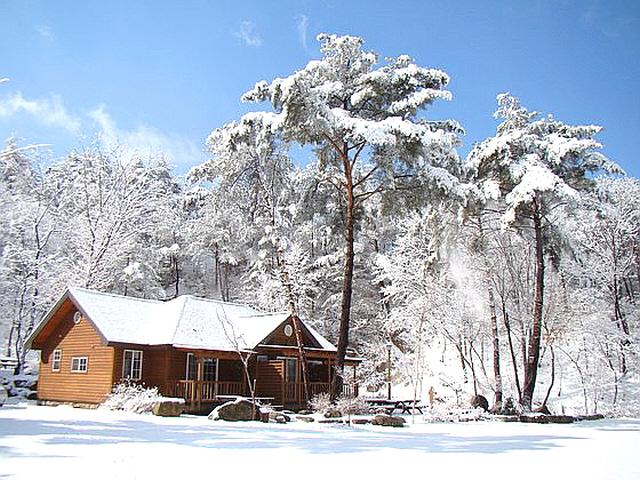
{"x": 186, "y": 321}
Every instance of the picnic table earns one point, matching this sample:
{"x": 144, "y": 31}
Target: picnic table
{"x": 390, "y": 406}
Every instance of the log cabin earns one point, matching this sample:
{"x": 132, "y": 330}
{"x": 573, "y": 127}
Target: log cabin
{"x": 188, "y": 347}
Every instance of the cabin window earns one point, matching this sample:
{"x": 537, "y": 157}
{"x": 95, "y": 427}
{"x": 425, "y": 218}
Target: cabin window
{"x": 79, "y": 364}
{"x": 132, "y": 364}
{"x": 209, "y": 369}
{"x": 190, "y": 374}
{"x": 56, "y": 360}
{"x": 291, "y": 369}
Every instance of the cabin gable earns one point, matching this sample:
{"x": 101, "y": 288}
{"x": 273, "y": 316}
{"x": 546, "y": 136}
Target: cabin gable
{"x": 76, "y": 364}
{"x": 284, "y": 335}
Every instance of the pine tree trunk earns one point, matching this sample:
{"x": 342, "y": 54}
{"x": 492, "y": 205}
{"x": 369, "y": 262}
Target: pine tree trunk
{"x": 516, "y": 376}
{"x": 533, "y": 354}
{"x": 553, "y": 376}
{"x": 347, "y": 283}
{"x": 497, "y": 406}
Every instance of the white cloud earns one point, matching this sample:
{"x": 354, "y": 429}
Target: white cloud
{"x": 45, "y": 32}
{"x": 248, "y": 34}
{"x": 145, "y": 139}
{"x": 302, "y": 24}
{"x": 49, "y": 111}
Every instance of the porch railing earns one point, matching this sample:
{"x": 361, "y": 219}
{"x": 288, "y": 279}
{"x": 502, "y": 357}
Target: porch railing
{"x": 294, "y": 391}
{"x": 195, "y": 391}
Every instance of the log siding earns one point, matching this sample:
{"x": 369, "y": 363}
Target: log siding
{"x": 73, "y": 340}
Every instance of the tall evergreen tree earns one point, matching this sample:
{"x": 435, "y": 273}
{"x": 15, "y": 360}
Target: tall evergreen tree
{"x": 363, "y": 120}
{"x": 535, "y": 166}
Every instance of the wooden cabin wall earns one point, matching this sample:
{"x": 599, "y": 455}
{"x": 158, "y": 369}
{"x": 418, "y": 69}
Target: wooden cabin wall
{"x": 270, "y": 374}
{"x": 75, "y": 340}
{"x": 160, "y": 364}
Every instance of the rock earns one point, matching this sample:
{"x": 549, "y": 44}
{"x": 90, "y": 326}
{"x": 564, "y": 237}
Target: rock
{"x": 506, "y": 418}
{"x": 479, "y": 401}
{"x": 32, "y": 395}
{"x": 279, "y": 417}
{"x": 590, "y": 417}
{"x": 387, "y": 421}
{"x": 360, "y": 421}
{"x": 305, "y": 418}
{"x": 332, "y": 413}
{"x": 3, "y": 396}
{"x": 240, "y": 410}
{"x": 305, "y": 412}
{"x": 168, "y": 407}
{"x": 537, "y": 418}
{"x": 331, "y": 420}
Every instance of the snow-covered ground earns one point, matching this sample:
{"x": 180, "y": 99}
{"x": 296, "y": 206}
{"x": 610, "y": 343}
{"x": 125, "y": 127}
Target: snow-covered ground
{"x": 63, "y": 442}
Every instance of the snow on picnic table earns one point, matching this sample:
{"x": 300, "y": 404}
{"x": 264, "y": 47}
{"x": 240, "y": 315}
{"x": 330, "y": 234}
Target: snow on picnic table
{"x": 63, "y": 442}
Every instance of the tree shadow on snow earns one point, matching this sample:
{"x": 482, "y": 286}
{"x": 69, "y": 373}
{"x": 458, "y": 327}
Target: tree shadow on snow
{"x": 248, "y": 436}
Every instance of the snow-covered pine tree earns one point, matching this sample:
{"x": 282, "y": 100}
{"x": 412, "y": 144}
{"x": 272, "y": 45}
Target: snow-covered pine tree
{"x": 363, "y": 120}
{"x": 535, "y": 166}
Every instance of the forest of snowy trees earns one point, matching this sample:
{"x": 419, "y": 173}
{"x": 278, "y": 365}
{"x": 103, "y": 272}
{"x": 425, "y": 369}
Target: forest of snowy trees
{"x": 513, "y": 273}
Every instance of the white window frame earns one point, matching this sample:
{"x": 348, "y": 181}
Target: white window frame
{"x": 130, "y": 373}
{"x": 56, "y": 360}
{"x": 191, "y": 362}
{"x": 82, "y": 364}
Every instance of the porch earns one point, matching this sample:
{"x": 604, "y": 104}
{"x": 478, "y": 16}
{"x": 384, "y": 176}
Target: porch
{"x": 201, "y": 395}
{"x": 209, "y": 380}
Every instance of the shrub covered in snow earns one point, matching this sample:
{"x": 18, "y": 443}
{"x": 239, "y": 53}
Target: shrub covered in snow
{"x": 321, "y": 403}
{"x": 351, "y": 406}
{"x": 132, "y": 397}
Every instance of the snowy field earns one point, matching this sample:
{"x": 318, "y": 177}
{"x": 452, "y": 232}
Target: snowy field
{"x": 62, "y": 442}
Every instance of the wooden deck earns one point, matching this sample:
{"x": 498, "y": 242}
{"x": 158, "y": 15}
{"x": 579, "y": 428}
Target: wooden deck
{"x": 293, "y": 392}
{"x": 195, "y": 391}
{"x": 201, "y": 395}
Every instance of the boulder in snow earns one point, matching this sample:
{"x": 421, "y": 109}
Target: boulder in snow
{"x": 241, "y": 409}
{"x": 168, "y": 407}
{"x": 387, "y": 421}
{"x": 305, "y": 418}
{"x": 539, "y": 418}
{"x": 332, "y": 413}
{"x": 360, "y": 421}
{"x": 279, "y": 417}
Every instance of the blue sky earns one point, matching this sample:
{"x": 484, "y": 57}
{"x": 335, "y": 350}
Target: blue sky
{"x": 162, "y": 75}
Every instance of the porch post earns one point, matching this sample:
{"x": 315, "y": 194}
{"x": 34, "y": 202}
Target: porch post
{"x": 299, "y": 386}
{"x": 217, "y": 378}
{"x": 198, "y": 385}
{"x": 355, "y": 385}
